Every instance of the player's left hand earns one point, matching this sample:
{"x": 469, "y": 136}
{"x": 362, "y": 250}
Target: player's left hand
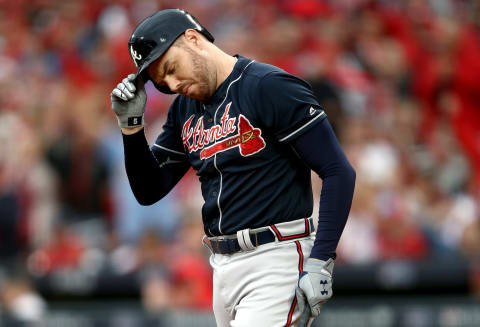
{"x": 315, "y": 284}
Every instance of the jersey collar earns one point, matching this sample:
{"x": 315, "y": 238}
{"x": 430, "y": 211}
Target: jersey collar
{"x": 221, "y": 92}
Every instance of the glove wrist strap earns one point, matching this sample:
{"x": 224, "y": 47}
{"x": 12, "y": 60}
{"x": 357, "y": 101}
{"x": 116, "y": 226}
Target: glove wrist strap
{"x": 130, "y": 122}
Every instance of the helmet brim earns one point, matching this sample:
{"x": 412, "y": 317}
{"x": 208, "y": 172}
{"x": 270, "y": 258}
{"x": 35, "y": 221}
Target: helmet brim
{"x": 142, "y": 70}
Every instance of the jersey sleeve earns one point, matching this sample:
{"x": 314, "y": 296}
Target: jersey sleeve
{"x": 288, "y": 107}
{"x": 169, "y": 142}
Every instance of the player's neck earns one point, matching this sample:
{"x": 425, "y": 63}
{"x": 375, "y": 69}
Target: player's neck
{"x": 225, "y": 64}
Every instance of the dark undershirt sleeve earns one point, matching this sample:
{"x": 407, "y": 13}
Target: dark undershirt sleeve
{"x": 321, "y": 151}
{"x": 151, "y": 176}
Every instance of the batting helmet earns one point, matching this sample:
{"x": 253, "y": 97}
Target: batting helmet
{"x": 155, "y": 34}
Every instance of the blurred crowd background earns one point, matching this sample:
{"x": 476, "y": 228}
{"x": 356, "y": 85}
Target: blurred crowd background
{"x": 399, "y": 81}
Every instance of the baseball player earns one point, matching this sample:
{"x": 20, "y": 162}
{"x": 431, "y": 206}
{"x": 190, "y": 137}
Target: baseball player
{"x": 253, "y": 133}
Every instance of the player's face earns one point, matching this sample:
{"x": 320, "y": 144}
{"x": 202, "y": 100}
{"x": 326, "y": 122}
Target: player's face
{"x": 185, "y": 70}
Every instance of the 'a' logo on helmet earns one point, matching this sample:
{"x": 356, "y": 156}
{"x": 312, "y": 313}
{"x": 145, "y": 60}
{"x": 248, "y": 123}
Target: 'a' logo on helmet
{"x": 135, "y": 55}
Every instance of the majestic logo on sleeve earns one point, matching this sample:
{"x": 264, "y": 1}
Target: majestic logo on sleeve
{"x": 248, "y": 139}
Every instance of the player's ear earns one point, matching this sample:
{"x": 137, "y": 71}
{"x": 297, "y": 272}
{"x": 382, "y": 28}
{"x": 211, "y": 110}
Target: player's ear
{"x": 193, "y": 36}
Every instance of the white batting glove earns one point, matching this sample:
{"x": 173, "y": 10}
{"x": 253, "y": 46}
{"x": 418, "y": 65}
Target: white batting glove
{"x": 315, "y": 284}
{"x": 128, "y": 101}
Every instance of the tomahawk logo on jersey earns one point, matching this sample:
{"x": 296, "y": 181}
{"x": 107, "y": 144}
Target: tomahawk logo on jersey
{"x": 238, "y": 142}
{"x": 248, "y": 139}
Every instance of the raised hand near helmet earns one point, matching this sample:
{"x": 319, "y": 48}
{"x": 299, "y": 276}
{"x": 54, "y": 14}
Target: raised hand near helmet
{"x": 128, "y": 102}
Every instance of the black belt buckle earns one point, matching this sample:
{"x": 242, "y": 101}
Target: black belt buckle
{"x": 225, "y": 246}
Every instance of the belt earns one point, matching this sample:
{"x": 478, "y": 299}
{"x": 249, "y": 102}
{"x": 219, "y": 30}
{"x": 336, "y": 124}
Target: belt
{"x": 231, "y": 245}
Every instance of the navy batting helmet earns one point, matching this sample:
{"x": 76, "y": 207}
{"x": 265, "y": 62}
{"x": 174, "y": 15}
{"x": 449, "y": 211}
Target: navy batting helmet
{"x": 156, "y": 33}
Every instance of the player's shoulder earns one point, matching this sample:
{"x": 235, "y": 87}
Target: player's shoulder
{"x": 259, "y": 70}
{"x": 257, "y": 73}
{"x": 265, "y": 76}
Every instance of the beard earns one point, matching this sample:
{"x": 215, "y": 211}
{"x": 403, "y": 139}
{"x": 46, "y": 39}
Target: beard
{"x": 205, "y": 77}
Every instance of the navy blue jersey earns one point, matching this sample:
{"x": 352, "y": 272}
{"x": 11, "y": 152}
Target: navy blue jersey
{"x": 239, "y": 144}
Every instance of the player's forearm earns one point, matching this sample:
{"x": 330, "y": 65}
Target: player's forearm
{"x": 320, "y": 150}
{"x": 335, "y": 201}
{"x": 148, "y": 181}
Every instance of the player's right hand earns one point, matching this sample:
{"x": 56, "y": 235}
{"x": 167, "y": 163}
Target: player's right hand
{"x": 128, "y": 101}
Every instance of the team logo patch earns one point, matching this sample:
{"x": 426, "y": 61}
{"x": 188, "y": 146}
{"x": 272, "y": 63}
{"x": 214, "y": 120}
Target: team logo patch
{"x": 249, "y": 140}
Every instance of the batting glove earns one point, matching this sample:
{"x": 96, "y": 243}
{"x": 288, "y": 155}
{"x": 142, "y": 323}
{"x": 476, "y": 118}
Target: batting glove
{"x": 128, "y": 101}
{"x": 315, "y": 284}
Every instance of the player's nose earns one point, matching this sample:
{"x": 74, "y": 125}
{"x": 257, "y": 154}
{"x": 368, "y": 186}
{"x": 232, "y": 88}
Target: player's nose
{"x": 173, "y": 83}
